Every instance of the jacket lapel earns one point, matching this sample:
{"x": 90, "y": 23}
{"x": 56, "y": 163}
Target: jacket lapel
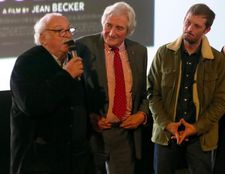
{"x": 131, "y": 58}
{"x": 101, "y": 65}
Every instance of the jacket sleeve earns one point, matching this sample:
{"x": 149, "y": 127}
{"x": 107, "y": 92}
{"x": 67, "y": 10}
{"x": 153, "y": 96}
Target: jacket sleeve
{"x": 39, "y": 88}
{"x": 144, "y": 103}
{"x": 212, "y": 97}
{"x": 155, "y": 96}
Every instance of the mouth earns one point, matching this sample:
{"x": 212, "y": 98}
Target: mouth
{"x": 189, "y": 34}
{"x": 66, "y": 41}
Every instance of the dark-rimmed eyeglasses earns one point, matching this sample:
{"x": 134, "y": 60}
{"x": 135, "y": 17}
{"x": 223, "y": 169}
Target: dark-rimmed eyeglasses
{"x": 63, "y": 32}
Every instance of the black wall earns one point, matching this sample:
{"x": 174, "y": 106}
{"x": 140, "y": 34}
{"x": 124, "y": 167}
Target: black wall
{"x": 5, "y": 104}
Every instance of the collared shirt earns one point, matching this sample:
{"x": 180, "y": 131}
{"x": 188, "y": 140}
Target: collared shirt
{"x": 57, "y": 60}
{"x": 186, "y": 108}
{"x": 109, "y": 58}
{"x": 60, "y": 62}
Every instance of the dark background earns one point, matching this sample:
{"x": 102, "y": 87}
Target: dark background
{"x": 5, "y": 104}
{"x": 18, "y": 18}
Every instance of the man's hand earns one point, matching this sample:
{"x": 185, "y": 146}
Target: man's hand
{"x": 173, "y": 129}
{"x": 103, "y": 123}
{"x": 74, "y": 67}
{"x": 99, "y": 122}
{"x": 189, "y": 130}
{"x": 133, "y": 121}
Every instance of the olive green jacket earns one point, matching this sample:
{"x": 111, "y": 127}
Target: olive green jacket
{"x": 208, "y": 91}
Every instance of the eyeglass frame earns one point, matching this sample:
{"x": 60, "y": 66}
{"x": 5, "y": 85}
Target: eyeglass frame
{"x": 62, "y": 32}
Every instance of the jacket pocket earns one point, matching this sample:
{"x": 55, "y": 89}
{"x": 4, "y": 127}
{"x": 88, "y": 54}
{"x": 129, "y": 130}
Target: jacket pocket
{"x": 168, "y": 77}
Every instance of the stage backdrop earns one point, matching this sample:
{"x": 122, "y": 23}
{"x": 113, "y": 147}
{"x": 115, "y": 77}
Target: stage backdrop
{"x": 19, "y": 16}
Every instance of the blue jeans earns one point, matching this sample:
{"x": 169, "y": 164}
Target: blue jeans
{"x": 167, "y": 158}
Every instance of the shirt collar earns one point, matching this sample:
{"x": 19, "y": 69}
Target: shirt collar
{"x": 121, "y": 47}
{"x": 59, "y": 62}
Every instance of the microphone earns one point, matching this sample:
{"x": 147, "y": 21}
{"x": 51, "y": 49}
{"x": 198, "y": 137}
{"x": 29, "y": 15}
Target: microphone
{"x": 73, "y": 50}
{"x": 72, "y": 47}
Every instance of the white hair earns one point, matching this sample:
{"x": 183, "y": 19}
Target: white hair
{"x": 41, "y": 24}
{"x": 118, "y": 9}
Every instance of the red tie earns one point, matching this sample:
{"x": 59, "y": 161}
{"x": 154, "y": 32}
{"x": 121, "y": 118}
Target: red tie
{"x": 119, "y": 106}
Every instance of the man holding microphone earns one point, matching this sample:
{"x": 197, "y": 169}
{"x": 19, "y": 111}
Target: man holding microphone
{"x": 48, "y": 115}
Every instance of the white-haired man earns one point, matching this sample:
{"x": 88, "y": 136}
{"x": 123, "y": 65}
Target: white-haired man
{"x": 48, "y": 116}
{"x": 116, "y": 138}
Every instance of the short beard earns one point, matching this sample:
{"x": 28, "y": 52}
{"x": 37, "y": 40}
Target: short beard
{"x": 191, "y": 42}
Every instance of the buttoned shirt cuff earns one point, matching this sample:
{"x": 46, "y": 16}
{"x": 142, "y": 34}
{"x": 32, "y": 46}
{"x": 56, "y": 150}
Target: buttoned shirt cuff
{"x": 145, "y": 118}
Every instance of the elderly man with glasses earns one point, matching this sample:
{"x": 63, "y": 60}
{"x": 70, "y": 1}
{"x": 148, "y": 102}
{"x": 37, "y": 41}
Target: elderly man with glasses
{"x": 48, "y": 115}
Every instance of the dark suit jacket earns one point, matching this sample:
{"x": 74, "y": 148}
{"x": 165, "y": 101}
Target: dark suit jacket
{"x": 46, "y": 101}
{"x": 91, "y": 49}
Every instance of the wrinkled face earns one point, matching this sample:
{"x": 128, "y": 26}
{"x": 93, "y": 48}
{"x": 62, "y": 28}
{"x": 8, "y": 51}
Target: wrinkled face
{"x": 194, "y": 28}
{"x": 115, "y": 30}
{"x": 55, "y": 35}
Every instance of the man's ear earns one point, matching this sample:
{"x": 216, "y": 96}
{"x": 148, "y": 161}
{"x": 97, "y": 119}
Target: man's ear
{"x": 207, "y": 30}
{"x": 42, "y": 38}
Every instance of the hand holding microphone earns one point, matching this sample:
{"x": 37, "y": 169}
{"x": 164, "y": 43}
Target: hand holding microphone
{"x": 75, "y": 65}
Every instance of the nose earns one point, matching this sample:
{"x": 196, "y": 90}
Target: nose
{"x": 190, "y": 27}
{"x": 68, "y": 34}
{"x": 112, "y": 32}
